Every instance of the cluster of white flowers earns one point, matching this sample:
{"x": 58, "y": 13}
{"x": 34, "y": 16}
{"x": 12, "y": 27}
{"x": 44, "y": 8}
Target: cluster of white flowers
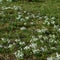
{"x": 19, "y": 54}
{"x": 41, "y": 39}
{"x": 13, "y": 7}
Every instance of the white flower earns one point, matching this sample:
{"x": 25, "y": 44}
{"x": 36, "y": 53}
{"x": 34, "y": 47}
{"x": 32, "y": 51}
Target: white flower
{"x": 43, "y": 49}
{"x": 2, "y": 39}
{"x": 33, "y": 45}
{"x": 56, "y": 26}
{"x": 53, "y": 48}
{"x": 31, "y": 23}
{"x": 33, "y": 39}
{"x": 39, "y": 30}
{"x": 21, "y": 43}
{"x": 17, "y": 40}
{"x": 19, "y": 16}
{"x": 22, "y": 19}
{"x": 45, "y": 37}
{"x": 58, "y": 29}
{"x": 41, "y": 41}
{"x": 19, "y": 54}
{"x": 0, "y": 1}
{"x": 23, "y": 28}
{"x": 15, "y": 7}
{"x": 26, "y": 48}
{"x": 53, "y": 36}
{"x": 40, "y": 18}
{"x": 53, "y": 22}
{"x": 9, "y": 0}
{"x": 40, "y": 36}
{"x": 25, "y": 23}
{"x": 43, "y": 30}
{"x": 45, "y": 17}
{"x": 57, "y": 55}
{"x": 50, "y": 58}
{"x": 10, "y": 45}
{"x": 48, "y": 23}
{"x": 25, "y": 11}
{"x": 27, "y": 18}
{"x": 36, "y": 51}
{"x": 53, "y": 18}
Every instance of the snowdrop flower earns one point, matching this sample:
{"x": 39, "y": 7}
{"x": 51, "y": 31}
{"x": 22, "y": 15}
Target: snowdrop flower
{"x": 51, "y": 40}
{"x": 25, "y": 23}
{"x": 45, "y": 16}
{"x": 19, "y": 16}
{"x": 33, "y": 39}
{"x": 25, "y": 11}
{"x": 56, "y": 26}
{"x": 53, "y": 36}
{"x": 19, "y": 54}
{"x": 53, "y": 22}
{"x": 41, "y": 41}
{"x": 36, "y": 51}
{"x": 50, "y": 58}
{"x": 5, "y": 47}
{"x": 43, "y": 30}
{"x": 8, "y": 40}
{"x": 53, "y": 18}
{"x": 53, "y": 48}
{"x": 27, "y": 18}
{"x": 33, "y": 45}
{"x": 9, "y": 0}
{"x": 14, "y": 43}
{"x": 2, "y": 39}
{"x": 10, "y": 45}
{"x": 15, "y": 7}
{"x": 22, "y": 43}
{"x": 17, "y": 40}
{"x": 22, "y": 19}
{"x": 48, "y": 23}
{"x": 40, "y": 36}
{"x": 40, "y": 18}
{"x": 39, "y": 30}
{"x": 31, "y": 23}
{"x": 45, "y": 37}
{"x": 8, "y": 8}
{"x": 42, "y": 48}
{"x": 58, "y": 29}
{"x": 50, "y": 35}
{"x": 26, "y": 48}
{"x": 19, "y": 13}
{"x": 1, "y": 1}
{"x": 37, "y": 16}
{"x": 23, "y": 28}
{"x": 57, "y": 55}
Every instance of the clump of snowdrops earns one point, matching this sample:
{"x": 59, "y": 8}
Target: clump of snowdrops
{"x": 27, "y": 35}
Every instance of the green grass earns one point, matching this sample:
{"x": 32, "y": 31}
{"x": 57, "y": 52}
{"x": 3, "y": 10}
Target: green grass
{"x": 10, "y": 27}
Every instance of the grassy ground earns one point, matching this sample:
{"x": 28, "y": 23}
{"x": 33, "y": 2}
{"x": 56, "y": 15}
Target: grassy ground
{"x": 48, "y": 7}
{"x": 11, "y": 29}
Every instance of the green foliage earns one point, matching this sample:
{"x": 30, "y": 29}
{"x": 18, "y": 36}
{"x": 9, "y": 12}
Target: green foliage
{"x": 38, "y": 0}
